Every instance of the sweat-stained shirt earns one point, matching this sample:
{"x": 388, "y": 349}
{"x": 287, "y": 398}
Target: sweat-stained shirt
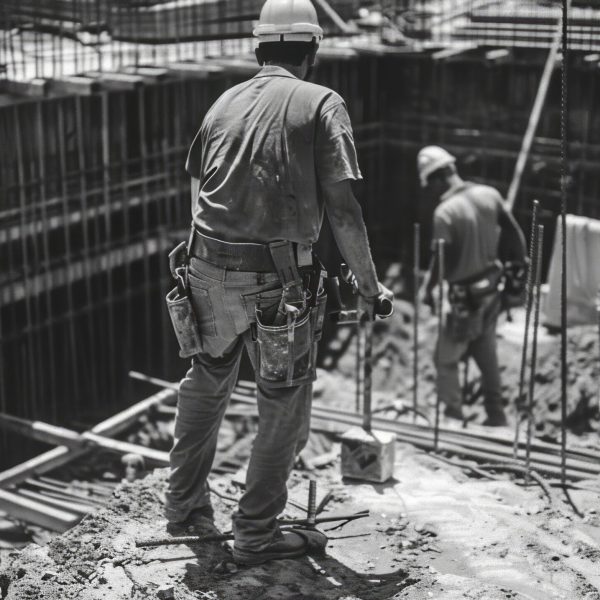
{"x": 263, "y": 151}
{"x": 467, "y": 219}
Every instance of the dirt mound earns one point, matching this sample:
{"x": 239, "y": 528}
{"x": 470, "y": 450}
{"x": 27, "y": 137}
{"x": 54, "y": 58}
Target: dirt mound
{"x": 432, "y": 533}
{"x": 393, "y": 370}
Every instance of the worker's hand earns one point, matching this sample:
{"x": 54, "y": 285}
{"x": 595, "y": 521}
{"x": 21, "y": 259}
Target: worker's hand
{"x": 380, "y": 305}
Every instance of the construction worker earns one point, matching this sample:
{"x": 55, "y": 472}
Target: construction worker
{"x": 272, "y": 155}
{"x": 470, "y": 219}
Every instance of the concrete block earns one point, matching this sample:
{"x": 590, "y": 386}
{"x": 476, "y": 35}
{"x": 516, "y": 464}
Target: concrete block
{"x": 368, "y": 455}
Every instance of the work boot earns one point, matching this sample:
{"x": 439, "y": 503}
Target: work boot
{"x": 454, "y": 412}
{"x": 495, "y": 418}
{"x": 199, "y": 521}
{"x": 287, "y": 544}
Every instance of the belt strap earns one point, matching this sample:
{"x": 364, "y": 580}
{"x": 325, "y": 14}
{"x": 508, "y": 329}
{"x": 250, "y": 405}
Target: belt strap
{"x": 245, "y": 256}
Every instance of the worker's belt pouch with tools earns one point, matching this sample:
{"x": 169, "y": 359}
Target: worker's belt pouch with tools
{"x": 469, "y": 294}
{"x": 286, "y": 347}
{"x": 465, "y": 319}
{"x": 179, "y": 305}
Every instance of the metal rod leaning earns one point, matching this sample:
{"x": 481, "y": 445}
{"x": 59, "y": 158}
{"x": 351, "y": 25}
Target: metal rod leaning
{"x": 528, "y": 305}
{"x": 536, "y": 323}
{"x": 564, "y": 156}
{"x": 367, "y": 327}
{"x": 416, "y": 301}
{"x": 440, "y": 283}
{"x": 598, "y": 376}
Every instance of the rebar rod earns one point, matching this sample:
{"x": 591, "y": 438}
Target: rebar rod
{"x": 105, "y": 142}
{"x": 312, "y": 503}
{"x": 467, "y": 442}
{"x": 416, "y": 303}
{"x": 564, "y": 151}
{"x": 534, "y": 341}
{"x": 440, "y": 283}
{"x": 51, "y": 392}
{"x": 367, "y": 326}
{"x": 598, "y": 371}
{"x": 528, "y": 305}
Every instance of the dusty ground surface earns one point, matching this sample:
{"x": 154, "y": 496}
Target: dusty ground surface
{"x": 432, "y": 533}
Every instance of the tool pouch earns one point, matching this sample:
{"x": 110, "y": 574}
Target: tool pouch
{"x": 287, "y": 354}
{"x": 184, "y": 323}
{"x": 180, "y": 306}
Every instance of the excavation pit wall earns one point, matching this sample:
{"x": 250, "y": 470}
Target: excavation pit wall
{"x": 95, "y": 195}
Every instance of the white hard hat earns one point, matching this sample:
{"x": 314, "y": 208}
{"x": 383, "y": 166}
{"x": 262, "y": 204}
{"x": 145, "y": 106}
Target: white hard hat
{"x": 288, "y": 21}
{"x": 430, "y": 159}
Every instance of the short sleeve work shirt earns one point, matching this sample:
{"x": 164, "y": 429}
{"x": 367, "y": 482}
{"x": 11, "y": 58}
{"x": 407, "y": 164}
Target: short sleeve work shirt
{"x": 263, "y": 151}
{"x": 467, "y": 220}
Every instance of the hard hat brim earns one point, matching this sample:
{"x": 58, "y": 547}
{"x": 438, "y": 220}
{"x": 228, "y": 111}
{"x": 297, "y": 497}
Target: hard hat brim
{"x": 296, "y": 32}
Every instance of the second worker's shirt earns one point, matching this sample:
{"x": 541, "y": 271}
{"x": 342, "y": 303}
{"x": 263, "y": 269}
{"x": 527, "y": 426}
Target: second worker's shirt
{"x": 263, "y": 151}
{"x": 467, "y": 220}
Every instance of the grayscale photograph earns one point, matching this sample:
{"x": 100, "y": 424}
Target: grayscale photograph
{"x": 299, "y": 300}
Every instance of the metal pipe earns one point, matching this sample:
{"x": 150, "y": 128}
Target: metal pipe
{"x": 528, "y": 304}
{"x": 564, "y": 157}
{"x": 367, "y": 325}
{"x": 440, "y": 283}
{"x": 536, "y": 322}
{"x": 416, "y": 304}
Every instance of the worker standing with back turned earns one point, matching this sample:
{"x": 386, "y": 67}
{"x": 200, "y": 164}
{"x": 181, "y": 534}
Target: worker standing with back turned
{"x": 273, "y": 155}
{"x": 471, "y": 219}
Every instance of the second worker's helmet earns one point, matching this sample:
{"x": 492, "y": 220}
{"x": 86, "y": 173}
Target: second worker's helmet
{"x": 288, "y": 21}
{"x": 430, "y": 159}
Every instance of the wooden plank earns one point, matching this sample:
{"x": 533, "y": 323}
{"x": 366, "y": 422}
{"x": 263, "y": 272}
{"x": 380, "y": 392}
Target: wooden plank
{"x": 73, "y": 85}
{"x": 35, "y": 88}
{"x": 197, "y": 70}
{"x": 157, "y": 457}
{"x": 116, "y": 81}
{"x": 59, "y": 456}
{"x": 51, "y": 434}
{"x": 67, "y": 505}
{"x": 236, "y": 65}
{"x": 32, "y": 511}
{"x": 38, "y": 430}
{"x": 534, "y": 118}
{"x": 148, "y": 74}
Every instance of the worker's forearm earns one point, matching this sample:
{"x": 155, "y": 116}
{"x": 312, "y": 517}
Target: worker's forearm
{"x": 351, "y": 237}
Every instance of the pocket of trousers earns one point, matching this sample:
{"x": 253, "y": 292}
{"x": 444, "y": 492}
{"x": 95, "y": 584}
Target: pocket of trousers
{"x": 202, "y": 307}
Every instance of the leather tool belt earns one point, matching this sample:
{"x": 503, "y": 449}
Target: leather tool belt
{"x": 467, "y": 295}
{"x": 242, "y": 256}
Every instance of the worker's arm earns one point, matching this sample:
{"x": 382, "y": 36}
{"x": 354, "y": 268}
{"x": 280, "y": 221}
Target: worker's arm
{"x": 430, "y": 282}
{"x": 346, "y": 219}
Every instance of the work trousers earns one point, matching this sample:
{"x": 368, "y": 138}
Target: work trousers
{"x": 225, "y": 303}
{"x": 475, "y": 337}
